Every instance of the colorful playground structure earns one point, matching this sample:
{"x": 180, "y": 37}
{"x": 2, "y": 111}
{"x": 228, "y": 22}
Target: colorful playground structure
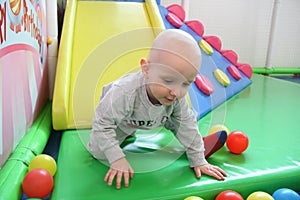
{"x": 98, "y": 44}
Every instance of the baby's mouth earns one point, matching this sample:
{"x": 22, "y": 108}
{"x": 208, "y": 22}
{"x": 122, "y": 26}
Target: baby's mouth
{"x": 170, "y": 99}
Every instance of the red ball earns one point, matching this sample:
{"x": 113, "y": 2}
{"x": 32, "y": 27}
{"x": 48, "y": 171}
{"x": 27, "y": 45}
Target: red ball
{"x": 37, "y": 183}
{"x": 237, "y": 142}
{"x": 229, "y": 195}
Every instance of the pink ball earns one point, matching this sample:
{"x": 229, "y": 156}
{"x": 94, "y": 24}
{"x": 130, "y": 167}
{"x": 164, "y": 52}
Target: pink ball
{"x": 229, "y": 195}
{"x": 237, "y": 142}
{"x": 37, "y": 183}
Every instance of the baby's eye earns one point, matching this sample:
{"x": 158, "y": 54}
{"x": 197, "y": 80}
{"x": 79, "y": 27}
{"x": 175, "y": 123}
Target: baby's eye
{"x": 168, "y": 81}
{"x": 186, "y": 84}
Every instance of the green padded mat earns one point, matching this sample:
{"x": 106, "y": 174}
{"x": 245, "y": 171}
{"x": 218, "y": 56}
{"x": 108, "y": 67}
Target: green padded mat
{"x": 267, "y": 111}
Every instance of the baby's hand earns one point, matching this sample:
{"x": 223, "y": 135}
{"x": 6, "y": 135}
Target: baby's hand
{"x": 120, "y": 168}
{"x": 210, "y": 170}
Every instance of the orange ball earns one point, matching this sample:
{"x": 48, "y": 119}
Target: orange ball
{"x": 237, "y": 142}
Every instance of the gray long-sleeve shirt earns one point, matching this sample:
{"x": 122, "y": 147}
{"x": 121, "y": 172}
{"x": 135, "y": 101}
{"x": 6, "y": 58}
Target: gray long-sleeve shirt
{"x": 124, "y": 107}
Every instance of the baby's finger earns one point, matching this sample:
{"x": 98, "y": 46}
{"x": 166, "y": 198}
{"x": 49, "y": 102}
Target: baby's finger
{"x": 219, "y": 175}
{"x": 107, "y": 175}
{"x": 222, "y": 171}
{"x": 119, "y": 179}
{"x": 126, "y": 179}
{"x": 131, "y": 172}
{"x": 111, "y": 177}
{"x": 197, "y": 172}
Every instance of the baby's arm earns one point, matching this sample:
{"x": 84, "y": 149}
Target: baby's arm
{"x": 186, "y": 131}
{"x": 110, "y": 111}
{"x": 184, "y": 126}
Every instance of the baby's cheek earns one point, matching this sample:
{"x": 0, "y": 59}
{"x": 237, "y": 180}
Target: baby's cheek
{"x": 164, "y": 89}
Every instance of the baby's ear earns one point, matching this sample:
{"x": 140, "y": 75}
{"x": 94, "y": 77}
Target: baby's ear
{"x": 145, "y": 67}
{"x": 143, "y": 61}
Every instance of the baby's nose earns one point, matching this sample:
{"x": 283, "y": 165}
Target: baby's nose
{"x": 175, "y": 91}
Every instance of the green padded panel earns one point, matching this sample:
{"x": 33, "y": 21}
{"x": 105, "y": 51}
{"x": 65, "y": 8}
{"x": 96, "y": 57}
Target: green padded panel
{"x": 267, "y": 111}
{"x": 33, "y": 143}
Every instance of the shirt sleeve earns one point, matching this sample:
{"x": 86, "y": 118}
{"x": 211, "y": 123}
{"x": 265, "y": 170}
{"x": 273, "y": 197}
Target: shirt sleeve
{"x": 185, "y": 128}
{"x": 111, "y": 110}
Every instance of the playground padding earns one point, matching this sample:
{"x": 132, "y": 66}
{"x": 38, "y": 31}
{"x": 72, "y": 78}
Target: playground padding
{"x": 266, "y": 111}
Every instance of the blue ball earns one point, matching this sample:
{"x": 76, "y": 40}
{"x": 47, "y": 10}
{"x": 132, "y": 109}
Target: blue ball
{"x": 285, "y": 194}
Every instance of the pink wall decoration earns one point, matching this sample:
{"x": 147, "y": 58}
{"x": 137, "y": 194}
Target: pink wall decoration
{"x": 23, "y": 69}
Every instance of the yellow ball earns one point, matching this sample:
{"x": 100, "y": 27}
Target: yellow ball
{"x": 43, "y": 161}
{"x": 193, "y": 198}
{"x": 217, "y": 128}
{"x": 260, "y": 196}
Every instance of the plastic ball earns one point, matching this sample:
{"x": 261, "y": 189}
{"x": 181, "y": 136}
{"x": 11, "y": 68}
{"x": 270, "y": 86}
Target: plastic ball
{"x": 229, "y": 195}
{"x": 285, "y": 194}
{"x": 237, "y": 142}
{"x": 49, "y": 41}
{"x": 193, "y": 198}
{"x": 37, "y": 183}
{"x": 260, "y": 196}
{"x": 218, "y": 127}
{"x": 43, "y": 161}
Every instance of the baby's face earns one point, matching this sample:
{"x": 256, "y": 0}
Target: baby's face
{"x": 169, "y": 79}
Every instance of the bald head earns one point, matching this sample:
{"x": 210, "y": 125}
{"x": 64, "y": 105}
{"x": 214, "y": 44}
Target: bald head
{"x": 175, "y": 42}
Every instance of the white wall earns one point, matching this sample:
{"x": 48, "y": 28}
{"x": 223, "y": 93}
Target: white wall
{"x": 287, "y": 35}
{"x": 244, "y": 26}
